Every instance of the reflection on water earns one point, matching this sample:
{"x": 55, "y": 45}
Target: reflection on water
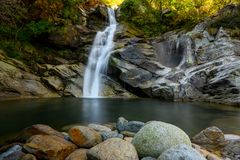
{"x": 16, "y": 115}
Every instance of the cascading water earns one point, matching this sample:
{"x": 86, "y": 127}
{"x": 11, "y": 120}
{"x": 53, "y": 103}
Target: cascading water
{"x": 99, "y": 57}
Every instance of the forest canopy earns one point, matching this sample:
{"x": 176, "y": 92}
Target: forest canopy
{"x": 169, "y": 14}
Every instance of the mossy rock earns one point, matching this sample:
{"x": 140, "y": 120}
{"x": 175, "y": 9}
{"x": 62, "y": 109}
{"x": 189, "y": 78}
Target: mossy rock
{"x": 156, "y": 137}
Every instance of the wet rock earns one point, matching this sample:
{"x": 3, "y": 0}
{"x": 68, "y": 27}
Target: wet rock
{"x": 121, "y": 124}
{"x": 211, "y": 138}
{"x": 37, "y": 129}
{"x": 84, "y": 136}
{"x": 113, "y": 148}
{"x": 156, "y": 137}
{"x": 99, "y": 128}
{"x": 12, "y": 153}
{"x": 49, "y": 147}
{"x": 111, "y": 134}
{"x": 134, "y": 126}
{"x": 181, "y": 151}
{"x": 79, "y": 154}
{"x": 131, "y": 126}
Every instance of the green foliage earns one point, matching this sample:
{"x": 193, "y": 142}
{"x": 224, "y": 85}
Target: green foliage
{"x": 10, "y": 49}
{"x": 142, "y": 15}
{"x": 158, "y": 16}
{"x": 33, "y": 30}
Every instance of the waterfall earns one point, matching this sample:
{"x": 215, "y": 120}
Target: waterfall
{"x": 98, "y": 59}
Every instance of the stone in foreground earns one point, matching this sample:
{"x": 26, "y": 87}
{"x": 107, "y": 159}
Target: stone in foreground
{"x": 211, "y": 138}
{"x": 113, "y": 149}
{"x": 156, "y": 137}
{"x": 80, "y": 154}
{"x": 84, "y": 136}
{"x": 49, "y": 147}
{"x": 181, "y": 152}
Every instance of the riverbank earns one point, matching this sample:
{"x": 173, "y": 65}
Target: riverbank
{"x": 122, "y": 140}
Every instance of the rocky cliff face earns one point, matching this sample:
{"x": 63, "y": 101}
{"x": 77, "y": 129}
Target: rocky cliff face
{"x": 200, "y": 65}
{"x": 181, "y": 66}
{"x": 19, "y": 81}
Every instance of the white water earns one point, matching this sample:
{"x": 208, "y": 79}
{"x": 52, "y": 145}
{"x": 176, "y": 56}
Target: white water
{"x": 99, "y": 57}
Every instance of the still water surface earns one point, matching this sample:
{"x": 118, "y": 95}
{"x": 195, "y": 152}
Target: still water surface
{"x": 191, "y": 117}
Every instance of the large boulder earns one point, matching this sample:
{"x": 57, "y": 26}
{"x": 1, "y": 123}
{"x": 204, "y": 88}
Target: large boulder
{"x": 49, "y": 147}
{"x": 156, "y": 137}
{"x": 181, "y": 151}
{"x": 84, "y": 136}
{"x": 114, "y": 148}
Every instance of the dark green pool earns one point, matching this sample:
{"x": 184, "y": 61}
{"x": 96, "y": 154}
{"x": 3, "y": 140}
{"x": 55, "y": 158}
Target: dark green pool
{"x": 16, "y": 115}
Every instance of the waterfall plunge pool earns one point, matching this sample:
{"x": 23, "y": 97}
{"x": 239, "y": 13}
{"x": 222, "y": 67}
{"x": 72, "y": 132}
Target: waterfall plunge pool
{"x": 57, "y": 113}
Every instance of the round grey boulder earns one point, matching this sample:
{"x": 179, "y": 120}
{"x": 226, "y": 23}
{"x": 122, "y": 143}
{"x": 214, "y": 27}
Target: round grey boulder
{"x": 156, "y": 137}
{"x": 181, "y": 152}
